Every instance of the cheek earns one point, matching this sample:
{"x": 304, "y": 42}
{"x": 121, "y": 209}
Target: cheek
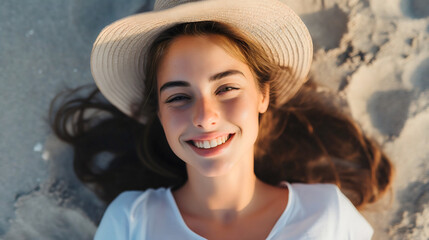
{"x": 172, "y": 122}
{"x": 244, "y": 112}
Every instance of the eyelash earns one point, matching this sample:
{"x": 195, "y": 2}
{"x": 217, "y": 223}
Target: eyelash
{"x": 182, "y": 97}
{"x": 176, "y": 98}
{"x": 226, "y": 89}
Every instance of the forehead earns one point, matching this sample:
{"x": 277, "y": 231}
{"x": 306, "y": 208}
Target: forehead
{"x": 198, "y": 54}
{"x": 206, "y": 45}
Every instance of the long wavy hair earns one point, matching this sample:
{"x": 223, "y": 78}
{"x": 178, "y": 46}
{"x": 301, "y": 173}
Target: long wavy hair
{"x": 309, "y": 139}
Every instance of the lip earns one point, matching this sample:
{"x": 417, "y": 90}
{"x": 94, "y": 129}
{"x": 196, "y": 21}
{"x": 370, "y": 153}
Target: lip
{"x": 208, "y": 137}
{"x": 210, "y": 152}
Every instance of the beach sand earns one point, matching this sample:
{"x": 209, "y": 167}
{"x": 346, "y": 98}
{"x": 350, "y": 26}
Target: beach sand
{"x": 373, "y": 53}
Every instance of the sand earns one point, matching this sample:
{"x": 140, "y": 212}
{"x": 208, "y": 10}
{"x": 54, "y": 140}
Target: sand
{"x": 373, "y": 53}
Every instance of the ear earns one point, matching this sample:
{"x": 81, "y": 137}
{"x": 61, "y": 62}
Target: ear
{"x": 264, "y": 99}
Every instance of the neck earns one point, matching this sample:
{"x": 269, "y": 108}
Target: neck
{"x": 221, "y": 197}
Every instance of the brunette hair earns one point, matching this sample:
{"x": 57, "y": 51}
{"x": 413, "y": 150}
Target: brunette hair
{"x": 309, "y": 139}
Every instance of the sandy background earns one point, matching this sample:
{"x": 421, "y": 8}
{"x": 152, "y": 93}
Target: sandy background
{"x": 374, "y": 53}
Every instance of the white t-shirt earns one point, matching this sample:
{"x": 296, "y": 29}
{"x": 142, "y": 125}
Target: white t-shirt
{"x": 314, "y": 211}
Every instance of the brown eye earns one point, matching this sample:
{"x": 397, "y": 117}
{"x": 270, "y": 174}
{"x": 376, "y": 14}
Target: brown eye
{"x": 226, "y": 89}
{"x": 177, "y": 99}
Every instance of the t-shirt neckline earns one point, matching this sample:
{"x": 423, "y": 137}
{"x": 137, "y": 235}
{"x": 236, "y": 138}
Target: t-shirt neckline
{"x": 277, "y": 226}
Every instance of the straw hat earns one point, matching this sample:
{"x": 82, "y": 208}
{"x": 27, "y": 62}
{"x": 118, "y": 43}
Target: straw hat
{"x": 118, "y": 54}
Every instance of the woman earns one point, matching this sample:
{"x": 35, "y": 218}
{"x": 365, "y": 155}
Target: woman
{"x": 226, "y": 124}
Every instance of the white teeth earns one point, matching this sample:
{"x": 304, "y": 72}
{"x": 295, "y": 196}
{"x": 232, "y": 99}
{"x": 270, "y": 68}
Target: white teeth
{"x": 210, "y": 143}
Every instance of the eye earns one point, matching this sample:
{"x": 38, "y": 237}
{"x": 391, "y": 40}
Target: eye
{"x": 225, "y": 89}
{"x": 177, "y": 98}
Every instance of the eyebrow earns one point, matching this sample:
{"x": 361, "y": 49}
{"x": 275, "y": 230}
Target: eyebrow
{"x": 215, "y": 77}
{"x": 227, "y": 73}
{"x": 174, "y": 84}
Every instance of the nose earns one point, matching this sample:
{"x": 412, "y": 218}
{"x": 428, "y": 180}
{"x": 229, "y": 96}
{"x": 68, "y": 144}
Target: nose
{"x": 206, "y": 114}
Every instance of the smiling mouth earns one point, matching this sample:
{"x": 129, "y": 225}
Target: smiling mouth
{"x": 207, "y": 144}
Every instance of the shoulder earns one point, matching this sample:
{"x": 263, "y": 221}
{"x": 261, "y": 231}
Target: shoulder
{"x": 324, "y": 194}
{"x": 330, "y": 209}
{"x": 118, "y": 219}
{"x": 128, "y": 201}
{"x": 123, "y": 204}
{"x": 316, "y": 195}
{"x": 325, "y": 189}
{"x": 327, "y": 197}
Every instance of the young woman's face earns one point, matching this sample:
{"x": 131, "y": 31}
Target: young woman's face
{"x": 209, "y": 105}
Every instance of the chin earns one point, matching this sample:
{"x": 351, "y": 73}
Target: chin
{"x": 214, "y": 168}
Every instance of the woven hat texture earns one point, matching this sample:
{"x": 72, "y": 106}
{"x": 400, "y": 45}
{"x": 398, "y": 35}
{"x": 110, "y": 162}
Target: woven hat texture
{"x": 118, "y": 54}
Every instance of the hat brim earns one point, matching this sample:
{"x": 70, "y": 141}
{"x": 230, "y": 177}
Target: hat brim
{"x": 118, "y": 54}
